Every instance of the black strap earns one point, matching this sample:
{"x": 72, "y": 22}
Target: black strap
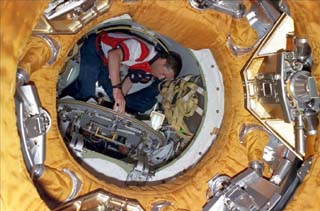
{"x": 139, "y": 76}
{"x": 117, "y": 86}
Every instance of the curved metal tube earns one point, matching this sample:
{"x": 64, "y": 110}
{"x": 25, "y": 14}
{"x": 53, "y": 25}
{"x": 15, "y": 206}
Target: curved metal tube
{"x": 235, "y": 8}
{"x": 54, "y": 47}
{"x": 261, "y": 17}
{"x": 76, "y": 184}
{"x": 238, "y": 51}
{"x": 247, "y": 128}
{"x": 158, "y": 206}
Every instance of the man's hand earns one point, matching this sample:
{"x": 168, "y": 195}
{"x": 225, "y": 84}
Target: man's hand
{"x": 119, "y": 101}
{"x": 115, "y": 58}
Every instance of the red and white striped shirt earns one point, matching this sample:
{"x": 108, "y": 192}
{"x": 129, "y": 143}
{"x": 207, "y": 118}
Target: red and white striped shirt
{"x": 136, "y": 52}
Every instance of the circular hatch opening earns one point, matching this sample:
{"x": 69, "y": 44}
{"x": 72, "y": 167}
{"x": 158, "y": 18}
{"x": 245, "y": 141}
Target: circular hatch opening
{"x": 149, "y": 147}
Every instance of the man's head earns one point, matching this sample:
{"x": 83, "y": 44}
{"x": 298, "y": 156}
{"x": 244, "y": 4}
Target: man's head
{"x": 167, "y": 66}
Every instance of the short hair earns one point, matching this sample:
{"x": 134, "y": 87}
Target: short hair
{"x": 174, "y": 61}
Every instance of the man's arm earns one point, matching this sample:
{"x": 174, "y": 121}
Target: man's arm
{"x": 126, "y": 86}
{"x": 114, "y": 62}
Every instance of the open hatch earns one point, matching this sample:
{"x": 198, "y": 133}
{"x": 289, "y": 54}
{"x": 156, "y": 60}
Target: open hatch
{"x": 148, "y": 147}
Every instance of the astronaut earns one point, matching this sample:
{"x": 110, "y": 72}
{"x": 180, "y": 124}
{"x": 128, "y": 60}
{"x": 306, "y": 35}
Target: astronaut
{"x": 102, "y": 57}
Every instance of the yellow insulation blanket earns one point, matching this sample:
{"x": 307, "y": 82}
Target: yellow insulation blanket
{"x": 192, "y": 29}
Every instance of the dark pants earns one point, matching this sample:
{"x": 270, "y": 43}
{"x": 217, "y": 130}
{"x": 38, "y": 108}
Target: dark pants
{"x": 92, "y": 70}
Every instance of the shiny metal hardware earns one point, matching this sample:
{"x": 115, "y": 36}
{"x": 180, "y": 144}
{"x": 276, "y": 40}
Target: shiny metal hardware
{"x": 300, "y": 145}
{"x": 76, "y": 184}
{"x": 69, "y": 16}
{"x": 238, "y": 51}
{"x": 101, "y": 200}
{"x": 273, "y": 153}
{"x": 281, "y": 172}
{"x": 284, "y": 7}
{"x": 54, "y": 47}
{"x": 33, "y": 124}
{"x": 258, "y": 166}
{"x": 158, "y": 206}
{"x": 37, "y": 125}
{"x": 247, "y": 128}
{"x": 304, "y": 169}
{"x": 22, "y": 77}
{"x": 302, "y": 49}
{"x": 156, "y": 118}
{"x": 90, "y": 128}
{"x": 217, "y": 183}
{"x": 140, "y": 173}
{"x": 261, "y": 17}
{"x": 301, "y": 87}
{"x": 235, "y": 8}
{"x": 126, "y": 135}
{"x": 60, "y": 7}
{"x": 282, "y": 94}
{"x": 37, "y": 171}
{"x": 250, "y": 190}
{"x": 246, "y": 191}
{"x": 310, "y": 122}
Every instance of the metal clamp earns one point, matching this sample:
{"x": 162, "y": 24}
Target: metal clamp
{"x": 284, "y": 7}
{"x": 76, "y": 184}
{"x": 158, "y": 206}
{"x": 235, "y": 8}
{"x": 247, "y": 128}
{"x": 304, "y": 169}
{"x": 22, "y": 77}
{"x": 69, "y": 16}
{"x": 33, "y": 124}
{"x": 100, "y": 200}
{"x": 216, "y": 184}
{"x": 140, "y": 173}
{"x": 261, "y": 18}
{"x": 54, "y": 47}
{"x": 60, "y": 7}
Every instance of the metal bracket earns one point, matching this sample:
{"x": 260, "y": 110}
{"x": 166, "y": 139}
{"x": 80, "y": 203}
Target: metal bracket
{"x": 140, "y": 173}
{"x": 100, "y": 199}
{"x": 235, "y": 7}
{"x": 37, "y": 171}
{"x": 284, "y": 7}
{"x": 54, "y": 47}
{"x": 304, "y": 169}
{"x": 33, "y": 124}
{"x": 76, "y": 184}
{"x": 247, "y": 191}
{"x": 158, "y": 206}
{"x": 247, "y": 128}
{"x": 60, "y": 7}
{"x": 217, "y": 183}
{"x": 22, "y": 77}
{"x": 261, "y": 18}
{"x": 69, "y": 16}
